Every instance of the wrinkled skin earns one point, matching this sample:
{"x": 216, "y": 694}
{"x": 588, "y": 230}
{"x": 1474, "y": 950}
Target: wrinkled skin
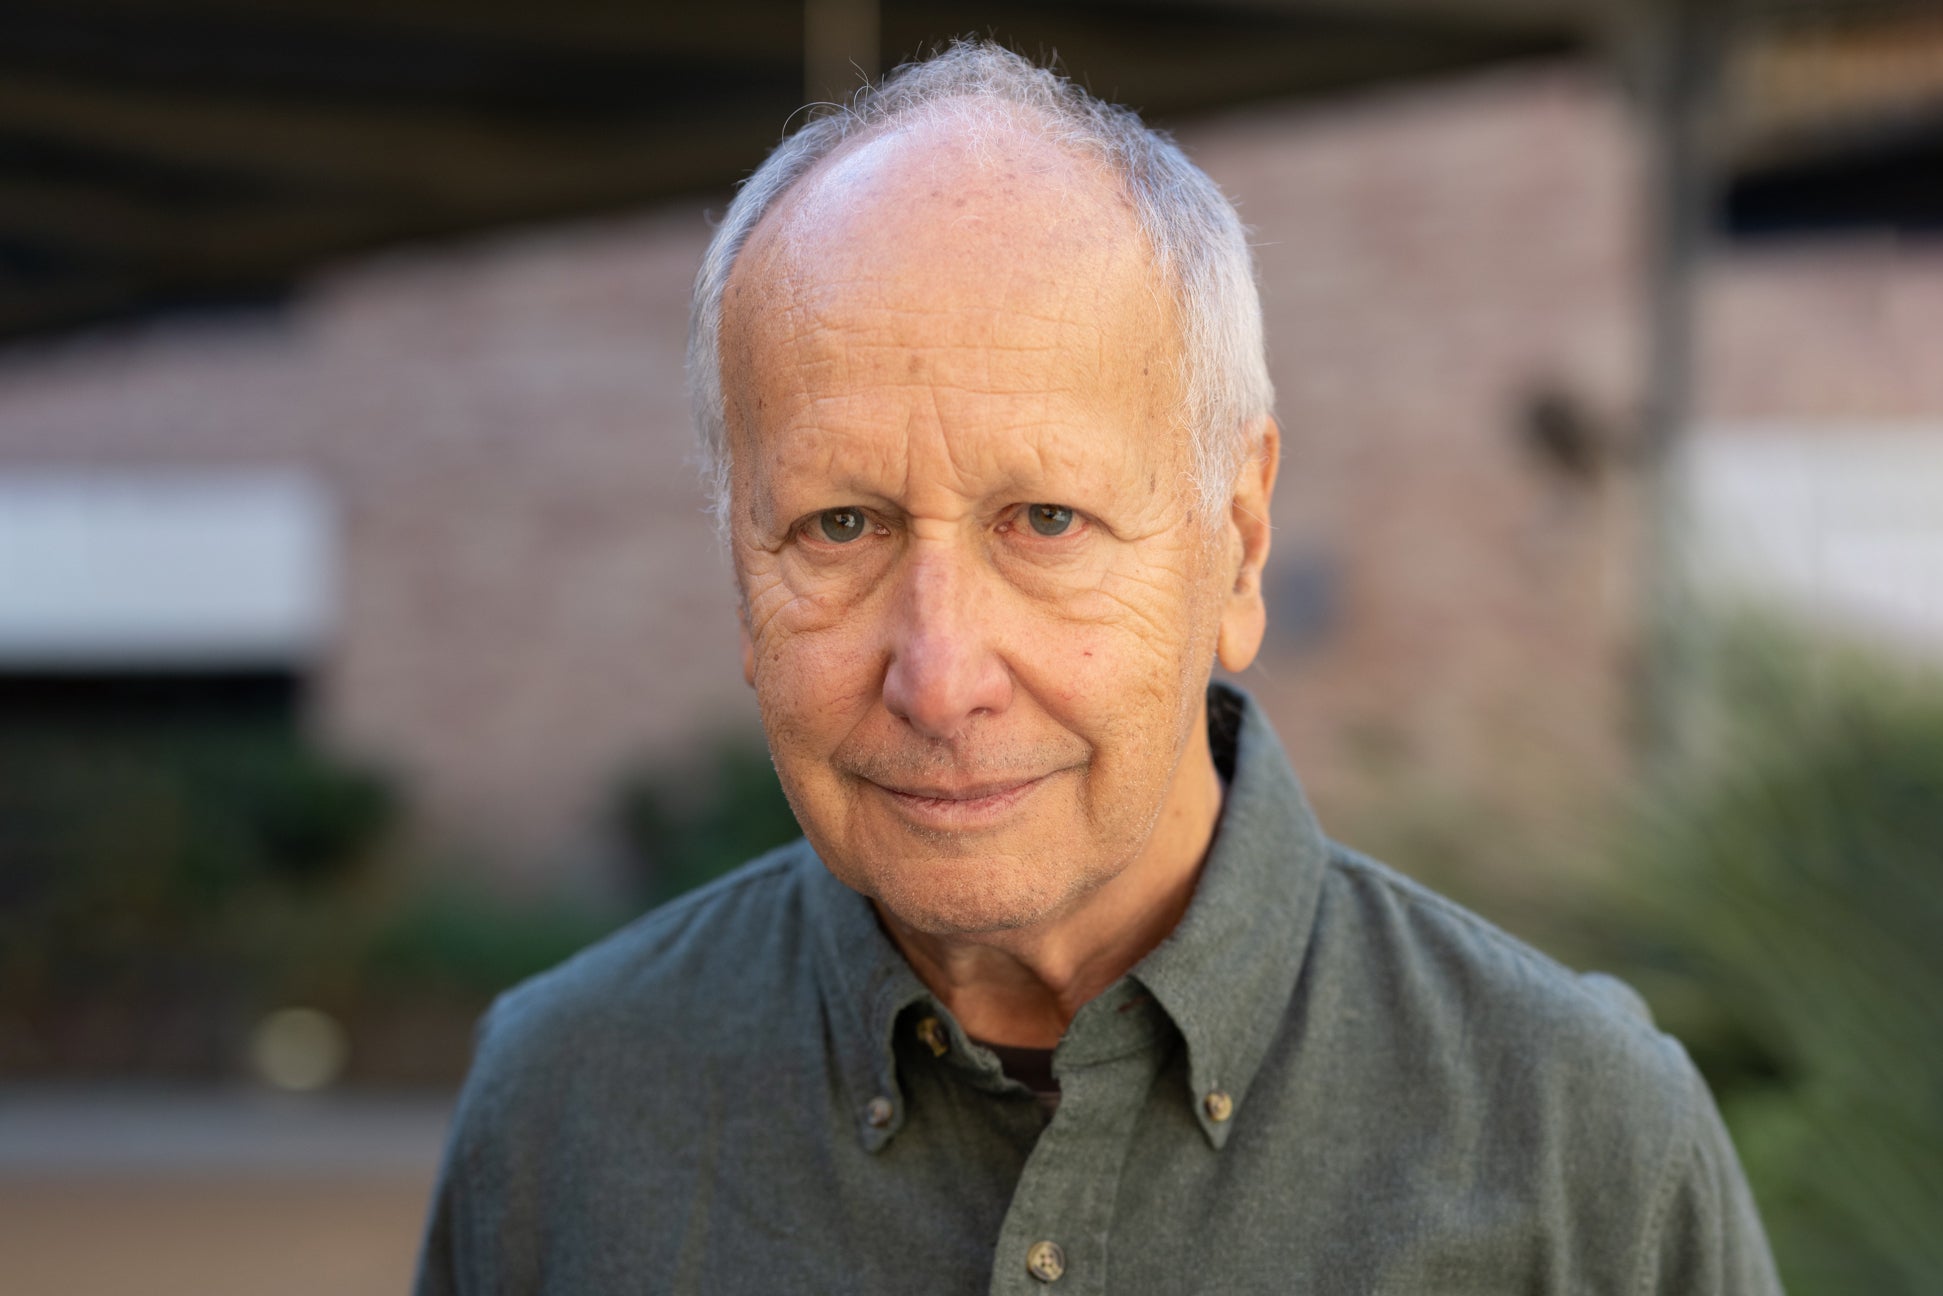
{"x": 992, "y": 728}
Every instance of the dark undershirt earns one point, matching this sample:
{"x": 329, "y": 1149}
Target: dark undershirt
{"x": 1031, "y": 1067}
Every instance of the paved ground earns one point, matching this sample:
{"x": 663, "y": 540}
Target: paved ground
{"x": 106, "y": 1192}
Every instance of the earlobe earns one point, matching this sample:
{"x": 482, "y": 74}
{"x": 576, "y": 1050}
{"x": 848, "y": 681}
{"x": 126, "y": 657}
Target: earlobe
{"x": 748, "y": 650}
{"x": 1244, "y": 617}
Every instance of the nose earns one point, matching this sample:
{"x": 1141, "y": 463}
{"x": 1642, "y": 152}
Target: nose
{"x": 944, "y": 666}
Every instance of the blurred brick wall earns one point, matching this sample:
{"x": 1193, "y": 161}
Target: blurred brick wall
{"x": 531, "y": 597}
{"x": 530, "y": 594}
{"x": 1431, "y": 260}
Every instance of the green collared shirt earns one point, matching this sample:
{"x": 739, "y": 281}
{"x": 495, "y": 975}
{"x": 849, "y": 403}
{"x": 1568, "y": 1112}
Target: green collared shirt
{"x": 1327, "y": 1079}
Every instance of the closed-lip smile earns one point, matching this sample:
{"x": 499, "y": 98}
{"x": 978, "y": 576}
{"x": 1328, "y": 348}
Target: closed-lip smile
{"x": 964, "y": 805}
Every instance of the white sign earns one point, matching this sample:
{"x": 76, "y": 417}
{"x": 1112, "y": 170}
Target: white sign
{"x": 163, "y": 569}
{"x": 1841, "y": 524}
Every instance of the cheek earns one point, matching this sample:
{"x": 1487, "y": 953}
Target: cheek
{"x": 1074, "y": 672}
{"x": 792, "y": 593}
{"x": 1130, "y": 684}
{"x": 1104, "y": 684}
{"x": 811, "y": 685}
{"x": 1143, "y": 625}
{"x": 792, "y": 621}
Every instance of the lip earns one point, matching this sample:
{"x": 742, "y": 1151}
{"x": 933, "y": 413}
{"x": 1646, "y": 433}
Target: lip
{"x": 974, "y": 805}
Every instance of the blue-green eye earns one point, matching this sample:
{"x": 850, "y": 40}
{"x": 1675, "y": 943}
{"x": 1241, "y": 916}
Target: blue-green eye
{"x": 841, "y": 525}
{"x": 1049, "y": 519}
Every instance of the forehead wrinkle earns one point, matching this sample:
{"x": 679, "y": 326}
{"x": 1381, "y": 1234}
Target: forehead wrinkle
{"x": 834, "y": 368}
{"x": 834, "y": 445}
{"x": 1055, "y": 425}
{"x": 834, "y": 453}
{"x": 831, "y": 323}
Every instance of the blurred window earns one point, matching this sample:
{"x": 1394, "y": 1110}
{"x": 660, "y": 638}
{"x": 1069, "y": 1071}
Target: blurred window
{"x": 1893, "y": 185}
{"x": 124, "y": 572}
{"x": 1841, "y": 523}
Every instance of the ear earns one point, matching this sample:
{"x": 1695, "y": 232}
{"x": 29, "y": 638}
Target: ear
{"x": 1244, "y": 617}
{"x": 748, "y": 644}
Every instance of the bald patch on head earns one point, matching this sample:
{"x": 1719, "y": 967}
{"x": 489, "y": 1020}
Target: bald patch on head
{"x": 945, "y": 179}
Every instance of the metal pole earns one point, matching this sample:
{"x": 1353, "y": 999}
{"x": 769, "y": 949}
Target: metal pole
{"x": 1676, "y": 48}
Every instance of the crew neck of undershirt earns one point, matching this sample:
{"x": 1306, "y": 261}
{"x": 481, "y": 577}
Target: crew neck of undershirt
{"x": 1031, "y": 1067}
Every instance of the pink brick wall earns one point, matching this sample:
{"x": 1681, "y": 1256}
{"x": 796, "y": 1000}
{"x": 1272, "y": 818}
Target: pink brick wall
{"x": 1430, "y": 258}
{"x": 531, "y": 597}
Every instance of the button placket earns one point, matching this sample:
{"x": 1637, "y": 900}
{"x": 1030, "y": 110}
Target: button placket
{"x": 1057, "y": 1227}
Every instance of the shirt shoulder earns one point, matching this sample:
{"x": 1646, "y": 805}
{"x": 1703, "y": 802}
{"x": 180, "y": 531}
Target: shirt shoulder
{"x": 678, "y": 986}
{"x": 1525, "y": 1077}
{"x": 1426, "y": 953}
{"x": 608, "y": 1086}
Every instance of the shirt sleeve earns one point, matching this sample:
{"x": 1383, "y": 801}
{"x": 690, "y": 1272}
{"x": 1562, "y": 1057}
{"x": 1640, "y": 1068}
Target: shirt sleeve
{"x": 438, "y": 1261}
{"x": 448, "y": 1256}
{"x": 1707, "y": 1238}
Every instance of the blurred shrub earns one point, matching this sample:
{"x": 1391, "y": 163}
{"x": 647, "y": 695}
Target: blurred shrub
{"x": 473, "y": 944}
{"x": 1790, "y": 931}
{"x": 145, "y": 868}
{"x": 163, "y": 883}
{"x": 686, "y": 824}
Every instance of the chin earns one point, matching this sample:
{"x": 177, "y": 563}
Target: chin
{"x": 965, "y": 895}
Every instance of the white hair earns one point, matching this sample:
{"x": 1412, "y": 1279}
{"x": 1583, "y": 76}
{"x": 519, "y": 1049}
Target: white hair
{"x": 1199, "y": 246}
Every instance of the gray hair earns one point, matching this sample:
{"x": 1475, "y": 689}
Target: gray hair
{"x": 1199, "y": 245}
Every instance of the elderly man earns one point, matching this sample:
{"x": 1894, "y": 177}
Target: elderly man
{"x": 1064, "y": 986}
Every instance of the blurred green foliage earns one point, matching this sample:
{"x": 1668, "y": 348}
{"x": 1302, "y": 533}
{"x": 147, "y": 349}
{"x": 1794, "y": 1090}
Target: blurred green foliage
{"x": 196, "y": 814}
{"x": 157, "y": 832}
{"x": 473, "y": 943}
{"x": 1787, "y": 925}
{"x": 685, "y": 823}
{"x": 165, "y": 880}
{"x": 146, "y": 867}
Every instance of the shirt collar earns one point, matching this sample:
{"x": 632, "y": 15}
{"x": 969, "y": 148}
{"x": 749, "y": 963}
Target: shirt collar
{"x": 866, "y": 985}
{"x": 1227, "y": 972}
{"x": 1223, "y": 976}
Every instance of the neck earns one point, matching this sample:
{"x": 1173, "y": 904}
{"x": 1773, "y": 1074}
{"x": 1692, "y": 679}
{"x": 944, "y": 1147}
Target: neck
{"x": 1022, "y": 987}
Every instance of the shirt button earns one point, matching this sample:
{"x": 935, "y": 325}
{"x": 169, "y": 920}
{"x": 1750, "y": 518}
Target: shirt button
{"x": 1219, "y": 1106}
{"x": 1045, "y": 1261}
{"x": 878, "y": 1112}
{"x": 932, "y": 1032}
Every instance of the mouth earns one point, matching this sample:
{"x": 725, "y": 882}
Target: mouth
{"x": 961, "y": 806}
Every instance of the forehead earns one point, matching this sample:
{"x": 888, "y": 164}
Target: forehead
{"x": 943, "y": 203}
{"x": 983, "y": 264}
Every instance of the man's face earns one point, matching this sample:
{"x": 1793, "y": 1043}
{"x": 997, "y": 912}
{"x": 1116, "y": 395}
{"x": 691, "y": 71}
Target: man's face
{"x": 980, "y": 607}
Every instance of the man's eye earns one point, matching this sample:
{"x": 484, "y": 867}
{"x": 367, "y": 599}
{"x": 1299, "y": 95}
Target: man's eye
{"x": 841, "y": 525}
{"x": 1049, "y": 519}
